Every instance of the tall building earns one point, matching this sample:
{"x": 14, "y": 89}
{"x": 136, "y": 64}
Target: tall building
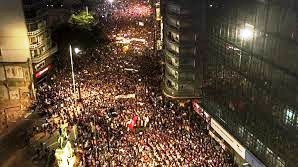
{"x": 42, "y": 48}
{"x": 183, "y": 47}
{"x": 250, "y": 80}
{"x": 26, "y": 54}
{"x": 15, "y": 59}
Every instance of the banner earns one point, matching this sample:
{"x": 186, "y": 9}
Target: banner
{"x": 128, "y": 96}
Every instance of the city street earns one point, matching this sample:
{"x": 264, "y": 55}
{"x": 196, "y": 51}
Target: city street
{"x": 120, "y": 114}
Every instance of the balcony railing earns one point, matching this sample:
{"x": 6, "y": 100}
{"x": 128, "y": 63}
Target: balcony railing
{"x": 171, "y": 54}
{"x": 36, "y": 45}
{"x": 36, "y": 32}
{"x": 50, "y": 52}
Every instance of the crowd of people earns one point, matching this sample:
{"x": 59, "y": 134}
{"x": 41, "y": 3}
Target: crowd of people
{"x": 115, "y": 88}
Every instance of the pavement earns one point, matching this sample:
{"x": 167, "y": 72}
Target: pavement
{"x": 13, "y": 150}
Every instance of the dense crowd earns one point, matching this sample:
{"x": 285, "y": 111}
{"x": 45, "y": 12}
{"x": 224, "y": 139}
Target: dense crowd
{"x": 101, "y": 111}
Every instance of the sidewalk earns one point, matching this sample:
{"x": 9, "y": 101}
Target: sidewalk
{"x": 11, "y": 113}
{"x": 12, "y": 143}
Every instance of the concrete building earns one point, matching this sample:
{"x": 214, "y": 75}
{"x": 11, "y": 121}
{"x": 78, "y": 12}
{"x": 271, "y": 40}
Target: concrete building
{"x": 42, "y": 48}
{"x": 249, "y": 89}
{"x": 15, "y": 60}
{"x": 183, "y": 43}
{"x": 15, "y": 70}
{"x": 26, "y": 55}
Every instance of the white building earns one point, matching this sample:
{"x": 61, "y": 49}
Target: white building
{"x": 15, "y": 60}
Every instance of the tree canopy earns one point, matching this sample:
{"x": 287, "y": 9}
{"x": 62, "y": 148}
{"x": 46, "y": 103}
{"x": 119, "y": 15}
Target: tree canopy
{"x": 84, "y": 19}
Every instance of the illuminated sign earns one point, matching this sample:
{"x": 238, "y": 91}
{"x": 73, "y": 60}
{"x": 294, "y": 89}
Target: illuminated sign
{"x": 41, "y": 72}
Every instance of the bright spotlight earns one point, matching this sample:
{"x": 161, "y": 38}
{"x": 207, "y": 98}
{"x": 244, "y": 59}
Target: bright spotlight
{"x": 77, "y": 50}
{"x": 246, "y": 33}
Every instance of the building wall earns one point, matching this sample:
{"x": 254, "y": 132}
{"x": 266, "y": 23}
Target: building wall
{"x": 183, "y": 43}
{"x": 42, "y": 48}
{"x": 14, "y": 42}
{"x": 15, "y": 63}
{"x": 251, "y": 84}
{"x": 15, "y": 56}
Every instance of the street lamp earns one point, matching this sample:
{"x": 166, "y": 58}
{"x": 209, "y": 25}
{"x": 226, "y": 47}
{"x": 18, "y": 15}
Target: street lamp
{"x": 247, "y": 32}
{"x": 76, "y": 50}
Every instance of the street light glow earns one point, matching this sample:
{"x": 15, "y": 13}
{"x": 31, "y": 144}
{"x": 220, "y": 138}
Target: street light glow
{"x": 246, "y": 33}
{"x": 77, "y": 50}
{"x": 111, "y": 1}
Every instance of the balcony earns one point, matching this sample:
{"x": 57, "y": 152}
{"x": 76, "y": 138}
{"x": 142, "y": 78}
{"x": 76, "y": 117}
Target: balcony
{"x": 36, "y": 45}
{"x": 36, "y": 32}
{"x": 173, "y": 93}
{"x": 171, "y": 66}
{"x": 171, "y": 77}
{"x": 47, "y": 54}
{"x": 170, "y": 54}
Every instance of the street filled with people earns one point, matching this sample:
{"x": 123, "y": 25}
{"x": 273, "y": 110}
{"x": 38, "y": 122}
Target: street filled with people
{"x": 117, "y": 112}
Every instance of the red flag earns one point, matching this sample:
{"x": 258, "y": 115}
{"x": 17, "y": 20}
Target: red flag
{"x": 132, "y": 122}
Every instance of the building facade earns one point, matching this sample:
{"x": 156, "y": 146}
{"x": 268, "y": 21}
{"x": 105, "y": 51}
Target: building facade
{"x": 182, "y": 47}
{"x": 15, "y": 62}
{"x": 250, "y": 79}
{"x": 15, "y": 69}
{"x": 251, "y": 76}
{"x": 42, "y": 48}
{"x": 26, "y": 55}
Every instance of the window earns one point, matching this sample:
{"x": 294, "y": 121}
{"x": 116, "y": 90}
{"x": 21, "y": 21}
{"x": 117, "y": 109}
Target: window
{"x": 280, "y": 162}
{"x": 14, "y": 72}
{"x": 39, "y": 65}
{"x": 250, "y": 140}
{"x": 269, "y": 156}
{"x": 260, "y": 147}
{"x": 241, "y": 131}
{"x": 289, "y": 116}
{"x": 34, "y": 53}
{"x": 33, "y": 40}
{"x": 297, "y": 121}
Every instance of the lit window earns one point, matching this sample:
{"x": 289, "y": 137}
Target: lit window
{"x": 241, "y": 131}
{"x": 289, "y": 116}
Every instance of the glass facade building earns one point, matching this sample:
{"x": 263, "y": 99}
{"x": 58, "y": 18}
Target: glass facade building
{"x": 249, "y": 75}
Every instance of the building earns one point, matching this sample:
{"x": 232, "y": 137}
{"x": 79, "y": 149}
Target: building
{"x": 183, "y": 41}
{"x": 15, "y": 60}
{"x": 250, "y": 79}
{"x": 26, "y": 55}
{"x": 42, "y": 48}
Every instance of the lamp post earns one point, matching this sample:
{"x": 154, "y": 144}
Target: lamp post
{"x": 76, "y": 50}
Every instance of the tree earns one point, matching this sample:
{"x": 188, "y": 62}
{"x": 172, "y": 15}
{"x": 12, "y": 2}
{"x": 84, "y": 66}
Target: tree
{"x": 79, "y": 36}
{"x": 83, "y": 19}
